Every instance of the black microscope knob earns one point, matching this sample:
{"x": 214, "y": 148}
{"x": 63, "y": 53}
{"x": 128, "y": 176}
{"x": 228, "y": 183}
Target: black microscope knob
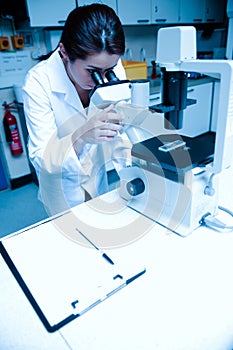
{"x": 135, "y": 186}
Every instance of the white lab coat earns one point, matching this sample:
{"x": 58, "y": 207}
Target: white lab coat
{"x": 53, "y": 111}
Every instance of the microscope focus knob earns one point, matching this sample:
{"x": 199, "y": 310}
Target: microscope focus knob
{"x": 135, "y": 186}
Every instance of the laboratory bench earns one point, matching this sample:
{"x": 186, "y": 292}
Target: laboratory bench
{"x": 184, "y": 300}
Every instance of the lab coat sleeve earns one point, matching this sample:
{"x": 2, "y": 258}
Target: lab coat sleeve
{"x": 48, "y": 150}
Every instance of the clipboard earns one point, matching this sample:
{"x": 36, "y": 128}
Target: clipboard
{"x": 62, "y": 279}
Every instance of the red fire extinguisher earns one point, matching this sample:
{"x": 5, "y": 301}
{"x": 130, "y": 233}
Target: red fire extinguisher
{"x": 11, "y": 130}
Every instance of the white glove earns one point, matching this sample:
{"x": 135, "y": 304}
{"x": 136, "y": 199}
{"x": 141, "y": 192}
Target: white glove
{"x": 102, "y": 126}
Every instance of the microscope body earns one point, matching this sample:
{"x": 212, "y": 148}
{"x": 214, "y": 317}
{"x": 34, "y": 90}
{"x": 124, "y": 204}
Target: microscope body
{"x": 183, "y": 59}
{"x": 110, "y": 92}
{"x": 130, "y": 97}
{"x": 181, "y": 174}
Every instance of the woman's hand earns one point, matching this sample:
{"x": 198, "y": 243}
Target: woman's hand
{"x": 102, "y": 127}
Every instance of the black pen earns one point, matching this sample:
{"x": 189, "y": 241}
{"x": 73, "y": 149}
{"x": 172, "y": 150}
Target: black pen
{"x": 104, "y": 255}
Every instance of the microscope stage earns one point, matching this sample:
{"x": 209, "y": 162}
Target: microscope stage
{"x": 183, "y": 153}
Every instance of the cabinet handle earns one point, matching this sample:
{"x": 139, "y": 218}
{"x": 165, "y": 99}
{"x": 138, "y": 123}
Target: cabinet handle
{"x": 190, "y": 90}
{"x": 61, "y": 21}
{"x": 156, "y": 8}
{"x": 154, "y": 98}
{"x": 210, "y": 20}
{"x": 160, "y": 20}
{"x": 197, "y": 20}
{"x": 143, "y": 20}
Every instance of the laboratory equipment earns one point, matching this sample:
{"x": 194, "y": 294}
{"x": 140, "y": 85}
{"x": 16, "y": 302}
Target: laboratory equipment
{"x": 180, "y": 173}
{"x": 130, "y": 97}
{"x": 112, "y": 90}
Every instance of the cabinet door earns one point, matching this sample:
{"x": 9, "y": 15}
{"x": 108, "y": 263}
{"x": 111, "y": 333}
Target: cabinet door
{"x": 215, "y": 11}
{"x": 165, "y": 11}
{"x": 46, "y": 13}
{"x": 134, "y": 12}
{"x": 154, "y": 123}
{"x": 192, "y": 11}
{"x": 111, "y": 3}
{"x": 196, "y": 118}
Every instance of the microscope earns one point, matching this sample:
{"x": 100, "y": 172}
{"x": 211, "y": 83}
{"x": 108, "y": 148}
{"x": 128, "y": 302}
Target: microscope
{"x": 129, "y": 97}
{"x": 110, "y": 91}
{"x": 174, "y": 178}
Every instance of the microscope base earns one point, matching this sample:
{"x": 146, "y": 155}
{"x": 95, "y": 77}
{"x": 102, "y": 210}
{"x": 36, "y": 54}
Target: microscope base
{"x": 177, "y": 206}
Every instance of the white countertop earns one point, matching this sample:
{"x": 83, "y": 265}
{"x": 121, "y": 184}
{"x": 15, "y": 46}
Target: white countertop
{"x": 183, "y": 302}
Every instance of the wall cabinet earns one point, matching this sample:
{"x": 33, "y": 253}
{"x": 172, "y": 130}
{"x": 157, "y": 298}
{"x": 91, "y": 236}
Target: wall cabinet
{"x": 46, "y": 13}
{"x": 134, "y": 12}
{"x": 192, "y": 12}
{"x": 171, "y": 11}
{"x": 164, "y": 11}
{"x": 202, "y": 11}
{"x": 111, "y": 3}
{"x": 215, "y": 11}
{"x": 43, "y": 13}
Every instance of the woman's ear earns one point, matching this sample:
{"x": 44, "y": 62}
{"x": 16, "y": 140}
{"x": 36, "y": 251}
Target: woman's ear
{"x": 63, "y": 52}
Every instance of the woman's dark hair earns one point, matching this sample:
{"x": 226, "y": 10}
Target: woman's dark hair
{"x": 91, "y": 29}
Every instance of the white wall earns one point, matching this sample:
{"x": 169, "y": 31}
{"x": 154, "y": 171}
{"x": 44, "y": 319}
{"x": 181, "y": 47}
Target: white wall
{"x": 138, "y": 37}
{"x": 15, "y": 166}
{"x": 14, "y": 64}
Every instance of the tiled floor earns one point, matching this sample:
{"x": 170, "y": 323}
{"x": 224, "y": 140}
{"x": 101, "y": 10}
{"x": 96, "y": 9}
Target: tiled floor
{"x": 20, "y": 208}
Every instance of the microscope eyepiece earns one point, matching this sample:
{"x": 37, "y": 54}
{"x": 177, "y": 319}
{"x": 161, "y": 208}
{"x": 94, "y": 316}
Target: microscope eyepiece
{"x": 111, "y": 76}
{"x": 97, "y": 78}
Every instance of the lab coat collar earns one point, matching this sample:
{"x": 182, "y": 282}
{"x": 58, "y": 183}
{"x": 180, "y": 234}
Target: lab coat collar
{"x": 60, "y": 82}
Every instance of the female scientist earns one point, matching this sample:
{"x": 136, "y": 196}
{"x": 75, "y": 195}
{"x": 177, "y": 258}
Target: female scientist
{"x": 66, "y": 145}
